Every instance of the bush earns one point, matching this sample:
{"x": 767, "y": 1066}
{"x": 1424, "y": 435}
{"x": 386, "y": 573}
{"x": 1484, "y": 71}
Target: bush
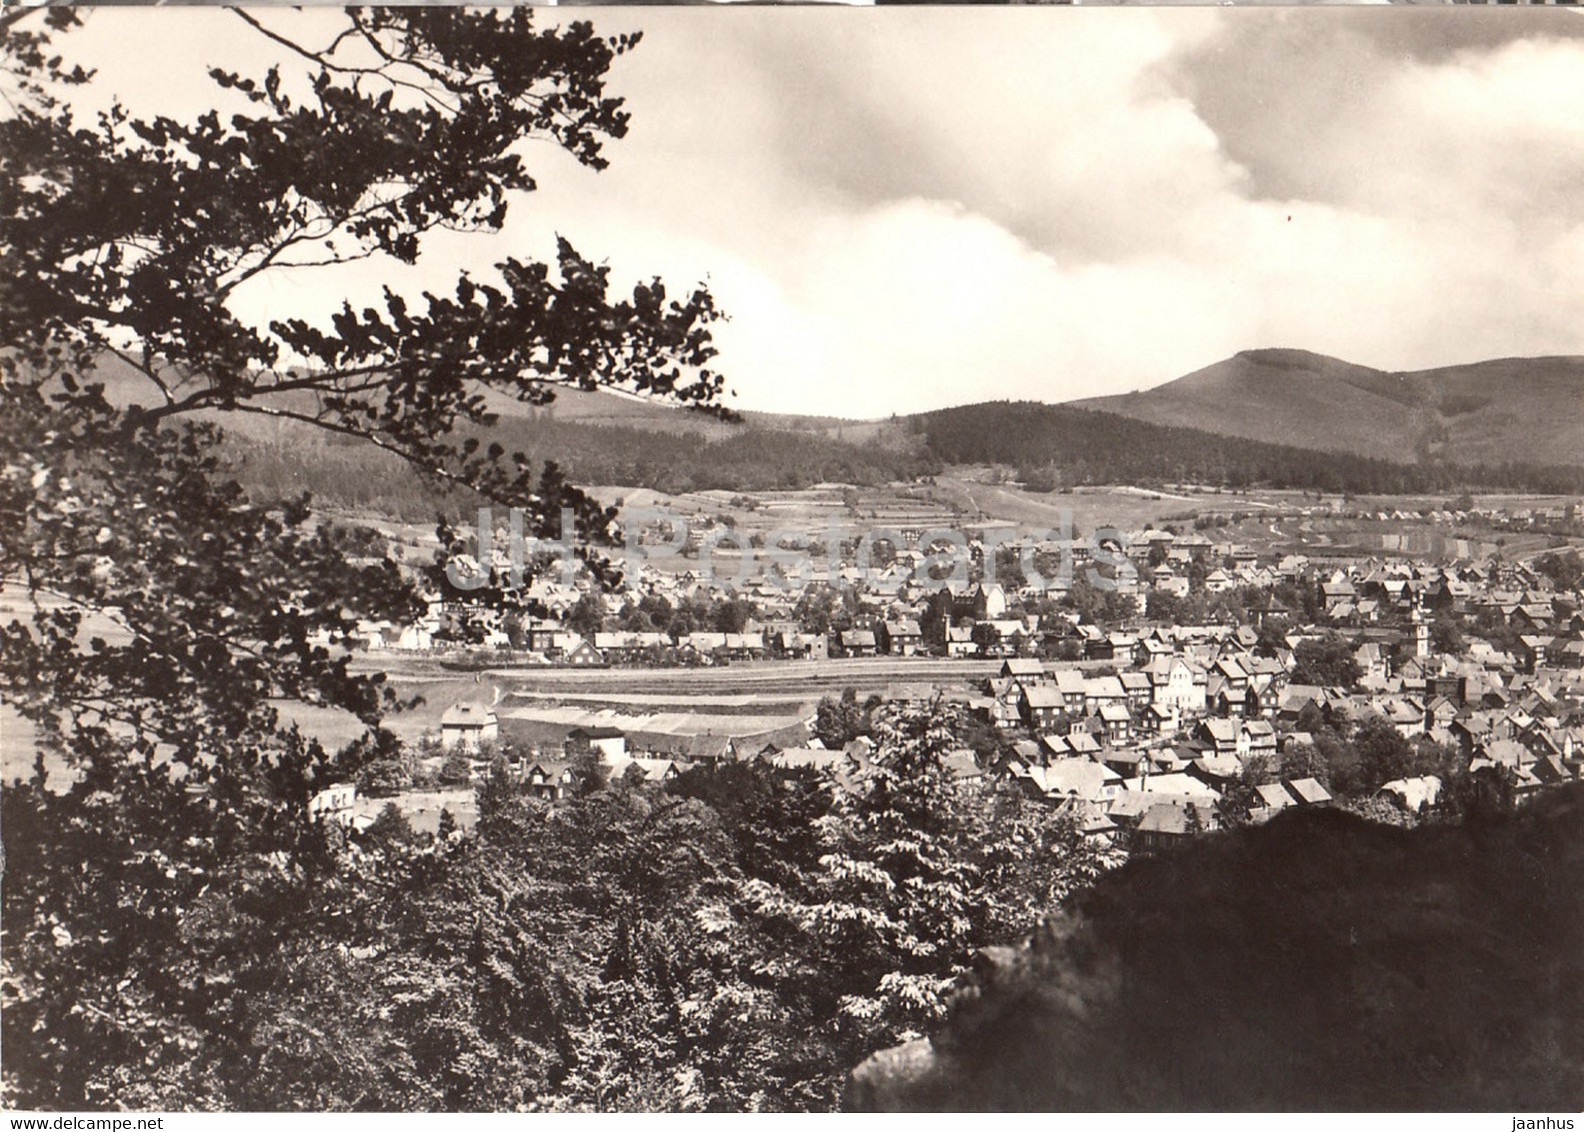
{"x": 457, "y": 770}
{"x": 390, "y": 826}
{"x": 384, "y": 777}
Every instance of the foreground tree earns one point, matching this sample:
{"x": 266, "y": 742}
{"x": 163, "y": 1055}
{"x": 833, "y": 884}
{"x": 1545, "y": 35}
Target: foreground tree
{"x": 919, "y": 870}
{"x": 1328, "y": 662}
{"x": 177, "y": 933}
{"x": 170, "y": 611}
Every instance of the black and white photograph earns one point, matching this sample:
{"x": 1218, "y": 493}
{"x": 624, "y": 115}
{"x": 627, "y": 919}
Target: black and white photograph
{"x": 754, "y": 558}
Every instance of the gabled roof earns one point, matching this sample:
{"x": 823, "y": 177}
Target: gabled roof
{"x": 1083, "y": 743}
{"x": 1309, "y": 791}
{"x": 1274, "y": 795}
{"x": 600, "y": 732}
{"x": 467, "y": 715}
{"x": 1042, "y": 696}
{"x": 1174, "y": 785}
{"x": 1551, "y": 769}
{"x": 1221, "y": 730}
{"x": 547, "y": 770}
{"x": 1082, "y": 777}
{"x": 1054, "y": 744}
{"x": 707, "y": 746}
{"x": 1022, "y": 666}
{"x": 1167, "y": 818}
{"x": 1414, "y": 793}
{"x": 1105, "y": 686}
{"x": 1217, "y": 766}
{"x": 1070, "y": 681}
{"x": 1507, "y": 752}
{"x": 652, "y": 770}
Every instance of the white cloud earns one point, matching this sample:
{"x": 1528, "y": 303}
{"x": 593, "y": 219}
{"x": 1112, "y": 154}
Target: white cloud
{"x": 904, "y": 209}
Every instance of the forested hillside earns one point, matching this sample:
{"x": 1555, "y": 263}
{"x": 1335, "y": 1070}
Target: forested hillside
{"x": 1083, "y": 446}
{"x": 746, "y": 458}
{"x": 606, "y": 440}
{"x": 1479, "y": 412}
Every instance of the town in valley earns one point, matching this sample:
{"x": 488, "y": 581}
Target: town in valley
{"x": 1209, "y": 666}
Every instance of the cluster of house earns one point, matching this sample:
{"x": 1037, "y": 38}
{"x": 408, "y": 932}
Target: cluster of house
{"x": 1150, "y": 739}
{"x": 1151, "y": 742}
{"x": 1150, "y": 724}
{"x": 1091, "y": 744}
{"x": 471, "y": 728}
{"x": 902, "y": 612}
{"x": 1148, "y": 744}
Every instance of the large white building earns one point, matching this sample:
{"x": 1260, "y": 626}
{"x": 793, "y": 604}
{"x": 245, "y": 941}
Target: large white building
{"x": 466, "y": 726}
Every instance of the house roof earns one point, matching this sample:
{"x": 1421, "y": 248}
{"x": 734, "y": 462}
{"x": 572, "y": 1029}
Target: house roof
{"x": 1105, "y": 686}
{"x": 548, "y": 770}
{"x": 1166, "y": 817}
{"x": 1218, "y": 766}
{"x": 1222, "y": 730}
{"x": 1083, "y": 742}
{"x": 1414, "y": 793}
{"x": 596, "y": 733}
{"x": 1042, "y": 696}
{"x": 467, "y": 715}
{"x": 653, "y": 770}
{"x": 1309, "y": 790}
{"x": 1070, "y": 681}
{"x": 1273, "y": 795}
{"x": 1055, "y": 744}
{"x": 1174, "y": 785}
{"x": 1507, "y": 752}
{"x": 707, "y": 746}
{"x": 1082, "y": 777}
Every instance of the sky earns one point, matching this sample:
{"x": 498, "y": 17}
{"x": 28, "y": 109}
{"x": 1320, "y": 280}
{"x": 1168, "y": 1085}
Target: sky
{"x": 908, "y": 208}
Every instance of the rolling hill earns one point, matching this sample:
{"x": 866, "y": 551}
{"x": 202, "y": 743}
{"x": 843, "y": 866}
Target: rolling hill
{"x": 1529, "y": 409}
{"x": 610, "y": 410}
{"x": 1281, "y": 418}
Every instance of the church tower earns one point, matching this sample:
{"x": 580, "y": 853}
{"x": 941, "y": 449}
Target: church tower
{"x": 1421, "y": 632}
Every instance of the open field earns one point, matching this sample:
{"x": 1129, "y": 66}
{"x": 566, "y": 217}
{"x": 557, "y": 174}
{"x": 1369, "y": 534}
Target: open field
{"x": 660, "y": 705}
{"x": 1090, "y": 508}
{"x": 538, "y": 706}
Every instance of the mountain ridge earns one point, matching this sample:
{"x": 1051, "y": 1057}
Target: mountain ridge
{"x": 1478, "y": 412}
{"x": 1277, "y": 417}
{"x": 1488, "y": 412}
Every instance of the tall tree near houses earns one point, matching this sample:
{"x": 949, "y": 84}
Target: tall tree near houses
{"x": 170, "y": 610}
